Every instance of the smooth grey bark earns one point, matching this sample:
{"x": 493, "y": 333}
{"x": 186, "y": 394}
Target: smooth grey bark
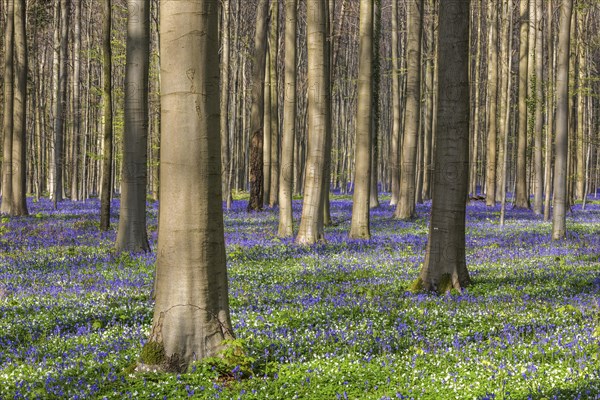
{"x": 274, "y": 104}
{"x": 406, "y": 202}
{"x": 267, "y": 128}
{"x": 107, "y": 139}
{"x": 549, "y": 110}
{"x": 359, "y": 227}
{"x": 289, "y": 123}
{"x": 8, "y": 117}
{"x": 445, "y": 265}
{"x": 255, "y": 203}
{"x": 522, "y": 194}
{"x": 60, "y": 106}
{"x": 132, "y": 235}
{"x": 539, "y": 116}
{"x": 311, "y": 223}
{"x": 225, "y": 151}
{"x": 395, "y": 134}
{"x": 191, "y": 314}
{"x": 559, "y": 229}
{"x": 19, "y": 134}
{"x": 76, "y": 144}
{"x": 492, "y": 82}
{"x": 374, "y": 190}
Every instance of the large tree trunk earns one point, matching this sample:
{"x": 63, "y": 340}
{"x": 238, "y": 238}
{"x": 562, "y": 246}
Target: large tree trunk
{"x": 522, "y": 194}
{"x": 289, "y": 123}
{"x": 311, "y": 224}
{"x": 490, "y": 185}
{"x": 406, "y": 204}
{"x": 445, "y": 265}
{"x": 255, "y": 203}
{"x": 559, "y": 229}
{"x": 132, "y": 235}
{"x": 8, "y": 118}
{"x": 106, "y": 187}
{"x": 359, "y": 228}
{"x": 191, "y": 313}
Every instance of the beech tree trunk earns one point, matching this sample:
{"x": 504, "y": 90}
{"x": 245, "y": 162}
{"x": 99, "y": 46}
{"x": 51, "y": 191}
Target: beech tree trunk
{"x": 289, "y": 123}
{"x": 132, "y": 235}
{"x": 445, "y": 265}
{"x": 8, "y": 117}
{"x": 311, "y": 223}
{"x": 191, "y": 313}
{"x": 359, "y": 228}
{"x": 559, "y": 229}
{"x": 522, "y": 194}
{"x": 107, "y": 139}
{"x": 395, "y": 134}
{"x": 255, "y": 203}
{"x": 492, "y": 82}
{"x": 406, "y": 204}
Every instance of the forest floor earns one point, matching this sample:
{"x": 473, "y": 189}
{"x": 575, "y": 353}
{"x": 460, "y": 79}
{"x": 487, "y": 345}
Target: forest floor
{"x": 331, "y": 321}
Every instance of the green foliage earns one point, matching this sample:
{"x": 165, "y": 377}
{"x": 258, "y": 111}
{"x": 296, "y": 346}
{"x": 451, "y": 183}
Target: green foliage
{"x": 153, "y": 353}
{"x": 416, "y": 286}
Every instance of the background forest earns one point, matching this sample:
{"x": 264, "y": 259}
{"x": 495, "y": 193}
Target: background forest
{"x": 355, "y": 199}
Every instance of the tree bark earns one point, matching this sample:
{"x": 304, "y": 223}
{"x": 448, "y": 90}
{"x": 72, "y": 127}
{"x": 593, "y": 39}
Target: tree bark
{"x": 539, "y": 116}
{"x": 395, "y": 139}
{"x": 289, "y": 123}
{"x": 274, "y": 104}
{"x": 107, "y": 139}
{"x": 191, "y": 313}
{"x": 132, "y": 235}
{"x": 406, "y": 204}
{"x": 225, "y": 151}
{"x": 76, "y": 145}
{"x": 255, "y": 202}
{"x": 311, "y": 223}
{"x": 359, "y": 228}
{"x": 445, "y": 265}
{"x": 19, "y": 134}
{"x": 8, "y": 117}
{"x": 492, "y": 82}
{"x": 522, "y": 194}
{"x": 559, "y": 230}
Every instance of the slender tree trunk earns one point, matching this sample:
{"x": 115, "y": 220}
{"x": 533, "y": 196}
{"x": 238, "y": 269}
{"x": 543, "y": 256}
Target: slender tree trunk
{"x": 60, "y": 104}
{"x": 359, "y": 228}
{"x": 132, "y": 235}
{"x": 539, "y": 116}
{"x": 476, "y": 96}
{"x": 76, "y": 166}
{"x": 225, "y": 150}
{"x": 19, "y": 135}
{"x": 522, "y": 194}
{"x": 289, "y": 123}
{"x": 107, "y": 138}
{"x": 311, "y": 223}
{"x": 445, "y": 265}
{"x": 257, "y": 114}
{"x": 373, "y": 192}
{"x": 273, "y": 85}
{"x": 406, "y": 204}
{"x": 559, "y": 229}
{"x": 8, "y": 117}
{"x": 395, "y": 139}
{"x": 267, "y": 129}
{"x": 191, "y": 313}
{"x": 492, "y": 82}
